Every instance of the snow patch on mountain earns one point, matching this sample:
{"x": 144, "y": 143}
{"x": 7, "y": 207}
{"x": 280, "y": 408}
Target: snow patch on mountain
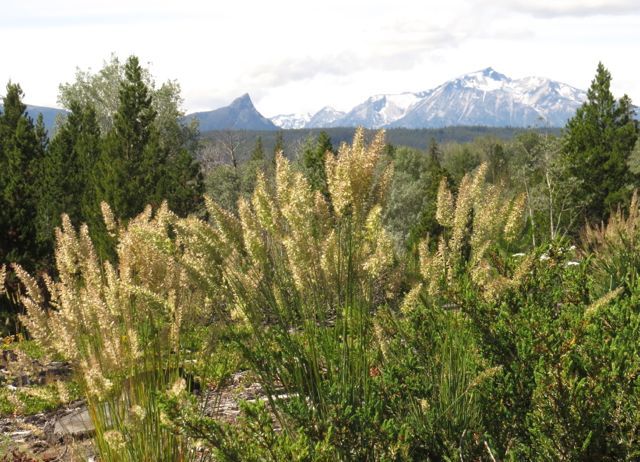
{"x": 325, "y": 118}
{"x": 291, "y": 121}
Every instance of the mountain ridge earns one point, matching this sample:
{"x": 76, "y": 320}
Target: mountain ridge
{"x": 484, "y": 97}
{"x": 241, "y": 114}
{"x": 49, "y": 115}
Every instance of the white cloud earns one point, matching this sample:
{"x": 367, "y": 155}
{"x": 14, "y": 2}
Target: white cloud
{"x": 298, "y": 56}
{"x": 577, "y": 8}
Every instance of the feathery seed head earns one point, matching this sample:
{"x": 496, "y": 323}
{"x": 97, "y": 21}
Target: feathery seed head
{"x": 607, "y": 298}
{"x": 3, "y": 276}
{"x": 411, "y": 300}
{"x": 109, "y": 219}
{"x": 444, "y": 208}
{"x": 514, "y": 220}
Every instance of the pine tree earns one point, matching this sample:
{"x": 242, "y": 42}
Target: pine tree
{"x": 279, "y": 146}
{"x": 426, "y": 224}
{"x": 66, "y": 182}
{"x": 434, "y": 152}
{"x": 258, "y": 151}
{"x": 136, "y": 168}
{"x": 598, "y": 142}
{"x": 182, "y": 183}
{"x": 21, "y": 149}
{"x": 131, "y": 159}
{"x": 313, "y": 161}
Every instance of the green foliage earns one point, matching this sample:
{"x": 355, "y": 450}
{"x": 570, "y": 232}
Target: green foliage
{"x": 441, "y": 417}
{"x": 22, "y": 146}
{"x": 598, "y": 142}
{"x": 411, "y": 209}
{"x": 252, "y": 439}
{"x": 459, "y": 159}
{"x": 101, "y": 90}
{"x": 135, "y": 168}
{"x": 130, "y": 165}
{"x": 66, "y": 178}
{"x": 495, "y": 339}
{"x": 313, "y": 160}
{"x": 258, "y": 151}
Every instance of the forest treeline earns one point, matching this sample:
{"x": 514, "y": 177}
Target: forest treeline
{"x": 122, "y": 143}
{"x": 468, "y": 301}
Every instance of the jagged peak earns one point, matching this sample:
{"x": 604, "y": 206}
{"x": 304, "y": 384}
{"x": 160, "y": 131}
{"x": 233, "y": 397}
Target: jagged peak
{"x": 243, "y": 101}
{"x": 487, "y": 72}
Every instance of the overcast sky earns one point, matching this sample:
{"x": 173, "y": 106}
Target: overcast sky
{"x": 297, "y": 56}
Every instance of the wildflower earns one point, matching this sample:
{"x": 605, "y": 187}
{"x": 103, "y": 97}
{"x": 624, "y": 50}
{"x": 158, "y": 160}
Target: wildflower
{"x": 114, "y": 439}
{"x": 178, "y": 387}
{"x": 137, "y": 412}
{"x": 424, "y": 405}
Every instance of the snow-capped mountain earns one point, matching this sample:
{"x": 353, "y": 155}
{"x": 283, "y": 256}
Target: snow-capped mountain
{"x": 381, "y": 110}
{"x": 325, "y": 117}
{"x": 291, "y": 121}
{"x": 484, "y": 97}
{"x": 489, "y": 98}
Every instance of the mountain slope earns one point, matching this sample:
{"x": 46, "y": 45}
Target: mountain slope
{"x": 291, "y": 121}
{"x": 381, "y": 110}
{"x": 49, "y": 115}
{"x": 489, "y": 98}
{"x": 241, "y": 114}
{"x": 325, "y": 118}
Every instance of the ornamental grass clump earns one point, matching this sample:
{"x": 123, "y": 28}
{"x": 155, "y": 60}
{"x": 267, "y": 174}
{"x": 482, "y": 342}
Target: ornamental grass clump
{"x": 305, "y": 274}
{"x": 616, "y": 249}
{"x": 480, "y": 224}
{"x": 120, "y": 327}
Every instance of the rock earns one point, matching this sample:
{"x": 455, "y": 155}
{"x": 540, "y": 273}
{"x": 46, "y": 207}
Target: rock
{"x": 75, "y": 424}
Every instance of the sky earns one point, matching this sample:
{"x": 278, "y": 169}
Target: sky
{"x": 299, "y": 56}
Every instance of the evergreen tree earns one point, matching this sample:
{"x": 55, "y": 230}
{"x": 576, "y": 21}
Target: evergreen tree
{"x": 136, "y": 168}
{"x": 279, "y": 146}
{"x": 131, "y": 157}
{"x": 21, "y": 149}
{"x": 433, "y": 151}
{"x": 313, "y": 161}
{"x": 598, "y": 142}
{"x": 258, "y": 151}
{"x": 182, "y": 183}
{"x": 426, "y": 223}
{"x": 66, "y": 182}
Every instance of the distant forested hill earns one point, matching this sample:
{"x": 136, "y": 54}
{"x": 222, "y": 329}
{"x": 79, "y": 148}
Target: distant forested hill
{"x": 415, "y": 138}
